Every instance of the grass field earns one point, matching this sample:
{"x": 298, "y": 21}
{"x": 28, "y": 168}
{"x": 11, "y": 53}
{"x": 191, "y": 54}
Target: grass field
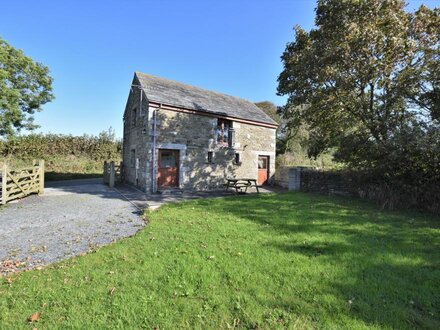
{"x": 269, "y": 261}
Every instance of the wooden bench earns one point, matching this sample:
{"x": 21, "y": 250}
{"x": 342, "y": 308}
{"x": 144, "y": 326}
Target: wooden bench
{"x": 241, "y": 185}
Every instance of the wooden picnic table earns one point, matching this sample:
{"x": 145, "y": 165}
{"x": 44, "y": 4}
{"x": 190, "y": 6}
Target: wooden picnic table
{"x": 241, "y": 184}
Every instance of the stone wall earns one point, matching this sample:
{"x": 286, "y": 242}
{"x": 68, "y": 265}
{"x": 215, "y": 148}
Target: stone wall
{"x": 194, "y": 136}
{"x": 323, "y": 182}
{"x": 309, "y": 179}
{"x": 282, "y": 176}
{"x": 135, "y": 139}
{"x": 252, "y": 141}
{"x": 390, "y": 195}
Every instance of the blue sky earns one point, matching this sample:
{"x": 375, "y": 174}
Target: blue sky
{"x": 93, "y": 47}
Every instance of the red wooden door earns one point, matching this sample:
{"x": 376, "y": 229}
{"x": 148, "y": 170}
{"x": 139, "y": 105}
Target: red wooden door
{"x": 263, "y": 169}
{"x": 168, "y": 169}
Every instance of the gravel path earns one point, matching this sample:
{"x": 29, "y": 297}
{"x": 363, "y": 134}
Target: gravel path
{"x": 69, "y": 219}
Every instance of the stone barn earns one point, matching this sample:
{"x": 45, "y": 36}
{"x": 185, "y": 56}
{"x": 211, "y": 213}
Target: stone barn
{"x": 177, "y": 136}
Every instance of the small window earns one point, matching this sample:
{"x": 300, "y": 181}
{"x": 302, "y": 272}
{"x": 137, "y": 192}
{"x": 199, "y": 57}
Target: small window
{"x": 133, "y": 117}
{"x": 132, "y": 157}
{"x": 262, "y": 162}
{"x": 237, "y": 158}
{"x": 210, "y": 156}
{"x": 223, "y": 129}
{"x": 168, "y": 158}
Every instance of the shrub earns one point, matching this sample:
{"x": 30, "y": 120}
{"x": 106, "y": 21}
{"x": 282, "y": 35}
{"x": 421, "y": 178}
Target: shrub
{"x": 62, "y": 153}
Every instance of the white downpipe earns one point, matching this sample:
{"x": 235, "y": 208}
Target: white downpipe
{"x": 139, "y": 116}
{"x": 153, "y": 167}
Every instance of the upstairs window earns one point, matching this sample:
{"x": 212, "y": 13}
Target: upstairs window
{"x": 237, "y": 158}
{"x": 223, "y": 132}
{"x": 210, "y": 156}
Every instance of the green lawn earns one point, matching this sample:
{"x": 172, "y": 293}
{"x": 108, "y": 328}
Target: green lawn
{"x": 269, "y": 261}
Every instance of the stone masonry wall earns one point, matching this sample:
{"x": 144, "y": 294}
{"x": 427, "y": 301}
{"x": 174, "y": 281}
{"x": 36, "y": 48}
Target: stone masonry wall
{"x": 364, "y": 185}
{"x": 282, "y": 176}
{"x": 195, "y": 135}
{"x": 135, "y": 138}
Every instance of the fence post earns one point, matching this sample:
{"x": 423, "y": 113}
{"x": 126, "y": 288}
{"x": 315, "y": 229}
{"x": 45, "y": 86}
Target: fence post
{"x": 111, "y": 182}
{"x": 4, "y": 182}
{"x": 105, "y": 172}
{"x": 121, "y": 171}
{"x": 41, "y": 169}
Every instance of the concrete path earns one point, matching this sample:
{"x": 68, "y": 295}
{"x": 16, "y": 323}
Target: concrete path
{"x": 71, "y": 218}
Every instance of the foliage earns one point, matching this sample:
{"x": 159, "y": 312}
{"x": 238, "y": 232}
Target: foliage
{"x": 271, "y": 110}
{"x": 24, "y": 87}
{"x": 62, "y": 153}
{"x": 100, "y": 147}
{"x": 295, "y": 261}
{"x": 292, "y": 141}
{"x": 366, "y": 81}
{"x": 390, "y": 193}
{"x": 368, "y": 71}
{"x": 299, "y": 157}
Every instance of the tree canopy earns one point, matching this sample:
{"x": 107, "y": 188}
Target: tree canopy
{"x": 25, "y": 86}
{"x": 368, "y": 73}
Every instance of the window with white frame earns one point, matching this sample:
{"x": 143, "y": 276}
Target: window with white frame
{"x": 210, "y": 157}
{"x": 224, "y": 136}
{"x": 237, "y": 158}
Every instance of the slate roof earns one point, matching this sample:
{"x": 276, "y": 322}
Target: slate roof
{"x": 173, "y": 93}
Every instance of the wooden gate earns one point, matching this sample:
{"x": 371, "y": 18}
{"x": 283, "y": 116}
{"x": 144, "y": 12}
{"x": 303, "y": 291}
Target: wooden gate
{"x": 21, "y": 183}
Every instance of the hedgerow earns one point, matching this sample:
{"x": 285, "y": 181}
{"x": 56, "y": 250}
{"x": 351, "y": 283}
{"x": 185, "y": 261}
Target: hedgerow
{"x": 62, "y": 153}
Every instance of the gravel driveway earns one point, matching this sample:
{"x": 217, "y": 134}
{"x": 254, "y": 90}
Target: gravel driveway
{"x": 71, "y": 218}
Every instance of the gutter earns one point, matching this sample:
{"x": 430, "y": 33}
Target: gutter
{"x": 211, "y": 114}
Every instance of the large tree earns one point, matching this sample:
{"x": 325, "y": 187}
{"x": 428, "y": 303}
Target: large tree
{"x": 24, "y": 87}
{"x": 367, "y": 72}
